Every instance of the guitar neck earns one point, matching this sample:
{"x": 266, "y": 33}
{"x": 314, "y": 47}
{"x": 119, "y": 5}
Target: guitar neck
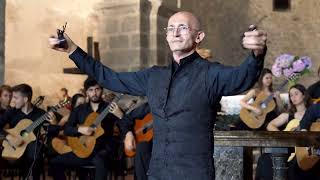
{"x": 105, "y": 112}
{"x": 281, "y": 86}
{"x": 44, "y": 117}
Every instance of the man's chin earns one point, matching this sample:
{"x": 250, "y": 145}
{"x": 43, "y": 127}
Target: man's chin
{"x": 95, "y": 100}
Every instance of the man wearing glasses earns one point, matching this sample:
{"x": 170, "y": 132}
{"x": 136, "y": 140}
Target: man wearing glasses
{"x": 182, "y": 95}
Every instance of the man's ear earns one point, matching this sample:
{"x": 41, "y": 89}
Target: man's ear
{"x": 25, "y": 99}
{"x": 200, "y": 37}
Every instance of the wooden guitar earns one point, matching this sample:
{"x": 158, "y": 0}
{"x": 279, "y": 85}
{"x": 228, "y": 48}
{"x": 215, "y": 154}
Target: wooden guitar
{"x": 83, "y": 146}
{"x": 293, "y": 125}
{"x": 60, "y": 145}
{"x": 316, "y": 101}
{"x": 143, "y": 130}
{"x": 307, "y": 157}
{"x": 38, "y": 101}
{"x": 263, "y": 102}
{"x": 24, "y": 132}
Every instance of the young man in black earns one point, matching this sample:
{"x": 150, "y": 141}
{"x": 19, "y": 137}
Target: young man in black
{"x": 24, "y": 109}
{"x": 104, "y": 147}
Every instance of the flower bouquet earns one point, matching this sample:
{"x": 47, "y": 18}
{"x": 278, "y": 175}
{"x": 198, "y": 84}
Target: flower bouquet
{"x": 292, "y": 67}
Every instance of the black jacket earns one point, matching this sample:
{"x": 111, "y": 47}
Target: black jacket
{"x": 310, "y": 116}
{"x": 182, "y": 104}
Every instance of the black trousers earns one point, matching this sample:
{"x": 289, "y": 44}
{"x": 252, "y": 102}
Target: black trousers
{"x": 142, "y": 160}
{"x": 99, "y": 159}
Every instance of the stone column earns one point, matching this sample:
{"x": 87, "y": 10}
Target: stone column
{"x": 130, "y": 33}
{"x": 2, "y": 39}
{"x": 122, "y": 40}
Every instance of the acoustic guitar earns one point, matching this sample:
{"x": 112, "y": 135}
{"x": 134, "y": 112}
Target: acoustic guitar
{"x": 83, "y": 146}
{"x": 24, "y": 132}
{"x": 38, "y": 101}
{"x": 60, "y": 145}
{"x": 316, "y": 101}
{"x": 143, "y": 130}
{"x": 307, "y": 157}
{"x": 263, "y": 102}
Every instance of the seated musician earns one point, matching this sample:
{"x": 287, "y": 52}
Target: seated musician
{"x": 24, "y": 109}
{"x": 104, "y": 147}
{"x": 311, "y": 115}
{"x": 56, "y": 128}
{"x": 5, "y": 98}
{"x": 264, "y": 86}
{"x": 299, "y": 101}
{"x": 143, "y": 149}
{"x": 314, "y": 90}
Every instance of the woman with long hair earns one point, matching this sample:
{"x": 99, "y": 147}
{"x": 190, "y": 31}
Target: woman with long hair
{"x": 264, "y": 86}
{"x": 299, "y": 101}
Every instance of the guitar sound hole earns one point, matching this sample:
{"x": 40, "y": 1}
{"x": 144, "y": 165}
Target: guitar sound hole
{"x": 24, "y": 133}
{"x": 144, "y": 130}
{"x": 263, "y": 105}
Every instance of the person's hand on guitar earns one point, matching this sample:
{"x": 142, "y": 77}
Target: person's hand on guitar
{"x": 51, "y": 118}
{"x": 115, "y": 109}
{"x": 129, "y": 141}
{"x": 257, "y": 111}
{"x": 14, "y": 140}
{"x": 85, "y": 130}
{"x": 276, "y": 94}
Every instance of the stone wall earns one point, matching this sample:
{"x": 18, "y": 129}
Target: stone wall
{"x": 294, "y": 31}
{"x": 28, "y": 58}
{"x": 131, "y": 37}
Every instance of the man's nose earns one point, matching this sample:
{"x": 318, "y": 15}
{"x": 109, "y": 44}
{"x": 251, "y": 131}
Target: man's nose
{"x": 176, "y": 32}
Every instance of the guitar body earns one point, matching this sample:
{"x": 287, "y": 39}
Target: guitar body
{"x": 141, "y": 135}
{"x": 15, "y": 153}
{"x": 306, "y": 160}
{"x": 60, "y": 145}
{"x": 292, "y": 125}
{"x": 83, "y": 146}
{"x": 316, "y": 101}
{"x": 250, "y": 118}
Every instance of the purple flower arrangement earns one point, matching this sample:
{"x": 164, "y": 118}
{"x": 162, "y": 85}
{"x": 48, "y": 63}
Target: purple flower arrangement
{"x": 289, "y": 65}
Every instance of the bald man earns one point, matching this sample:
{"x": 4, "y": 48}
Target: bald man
{"x": 182, "y": 96}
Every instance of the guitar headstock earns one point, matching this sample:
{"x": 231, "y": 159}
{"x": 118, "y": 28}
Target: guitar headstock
{"x": 60, "y": 105}
{"x": 294, "y": 77}
{"x": 38, "y": 101}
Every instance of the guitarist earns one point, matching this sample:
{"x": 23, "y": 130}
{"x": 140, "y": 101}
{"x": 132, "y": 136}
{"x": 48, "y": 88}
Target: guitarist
{"x": 143, "y": 149}
{"x": 24, "y": 109}
{"x": 264, "y": 86}
{"x": 314, "y": 89}
{"x": 299, "y": 101}
{"x": 311, "y": 115}
{"x": 100, "y": 157}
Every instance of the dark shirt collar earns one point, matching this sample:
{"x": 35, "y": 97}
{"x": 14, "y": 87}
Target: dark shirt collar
{"x": 184, "y": 60}
{"x": 101, "y": 106}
